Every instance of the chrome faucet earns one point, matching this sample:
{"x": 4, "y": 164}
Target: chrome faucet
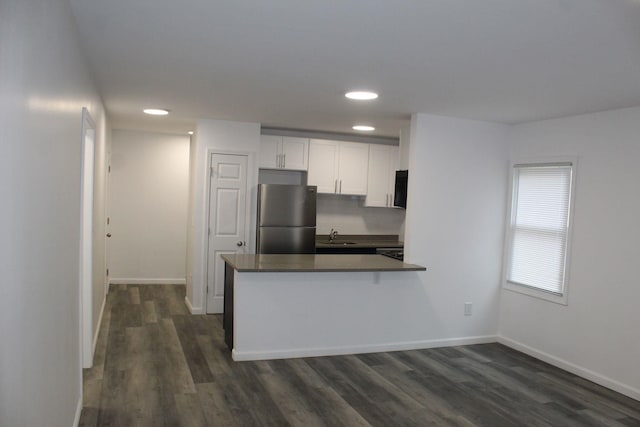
{"x": 332, "y": 235}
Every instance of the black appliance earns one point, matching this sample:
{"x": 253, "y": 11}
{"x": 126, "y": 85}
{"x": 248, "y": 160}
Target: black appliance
{"x": 395, "y": 253}
{"x": 400, "y": 190}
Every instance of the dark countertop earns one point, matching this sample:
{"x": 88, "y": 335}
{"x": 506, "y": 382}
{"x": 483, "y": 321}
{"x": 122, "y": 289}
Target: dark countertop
{"x": 316, "y": 263}
{"x": 360, "y": 241}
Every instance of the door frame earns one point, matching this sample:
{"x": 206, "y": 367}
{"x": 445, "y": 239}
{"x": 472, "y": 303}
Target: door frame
{"x": 85, "y": 273}
{"x": 250, "y": 210}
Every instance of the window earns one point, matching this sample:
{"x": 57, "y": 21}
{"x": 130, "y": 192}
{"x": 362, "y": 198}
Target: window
{"x": 538, "y": 230}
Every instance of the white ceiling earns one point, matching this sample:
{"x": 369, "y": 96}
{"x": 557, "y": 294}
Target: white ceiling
{"x": 287, "y": 63}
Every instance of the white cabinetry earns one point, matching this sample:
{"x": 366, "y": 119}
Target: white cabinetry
{"x": 284, "y": 152}
{"x": 338, "y": 167}
{"x": 323, "y": 165}
{"x": 383, "y": 162}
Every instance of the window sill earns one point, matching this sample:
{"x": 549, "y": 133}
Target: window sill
{"x": 532, "y": 292}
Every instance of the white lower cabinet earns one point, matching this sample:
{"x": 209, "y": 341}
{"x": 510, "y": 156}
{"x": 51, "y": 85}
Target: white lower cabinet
{"x": 284, "y": 152}
{"x": 338, "y": 167}
{"x": 383, "y": 162}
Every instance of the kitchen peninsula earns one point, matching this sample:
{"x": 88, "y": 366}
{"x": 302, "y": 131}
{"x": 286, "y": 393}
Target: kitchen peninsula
{"x": 284, "y": 306}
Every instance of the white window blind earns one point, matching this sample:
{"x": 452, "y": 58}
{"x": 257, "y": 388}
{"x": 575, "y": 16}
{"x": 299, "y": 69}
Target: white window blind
{"x": 540, "y": 226}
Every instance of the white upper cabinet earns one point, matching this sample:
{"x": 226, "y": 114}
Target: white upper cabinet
{"x": 323, "y": 165}
{"x": 338, "y": 167}
{"x": 295, "y": 152}
{"x": 352, "y": 168}
{"x": 270, "y": 151}
{"x": 284, "y": 152}
{"x": 383, "y": 162}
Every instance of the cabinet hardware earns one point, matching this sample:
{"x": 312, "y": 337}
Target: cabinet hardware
{"x": 335, "y": 186}
{"x": 340, "y": 186}
{"x": 284, "y": 160}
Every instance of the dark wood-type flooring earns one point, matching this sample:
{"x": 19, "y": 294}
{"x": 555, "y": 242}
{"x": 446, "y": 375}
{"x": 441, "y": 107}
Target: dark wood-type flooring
{"x": 156, "y": 364}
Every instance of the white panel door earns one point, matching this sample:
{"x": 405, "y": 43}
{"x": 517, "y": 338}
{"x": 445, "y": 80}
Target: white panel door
{"x": 227, "y": 213}
{"x": 353, "y": 168}
{"x": 323, "y": 165}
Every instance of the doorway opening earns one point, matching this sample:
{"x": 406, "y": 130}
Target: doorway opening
{"x": 86, "y": 238}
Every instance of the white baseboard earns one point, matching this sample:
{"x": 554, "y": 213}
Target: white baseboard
{"x": 597, "y": 378}
{"x": 139, "y": 281}
{"x": 76, "y": 418}
{"x": 377, "y": 348}
{"x": 192, "y": 309}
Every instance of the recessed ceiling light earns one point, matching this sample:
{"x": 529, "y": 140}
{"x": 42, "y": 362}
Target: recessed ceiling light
{"x": 190, "y": 132}
{"x": 156, "y": 111}
{"x": 364, "y": 128}
{"x": 361, "y": 95}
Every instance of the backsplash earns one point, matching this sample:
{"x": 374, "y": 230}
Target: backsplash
{"x": 348, "y": 215}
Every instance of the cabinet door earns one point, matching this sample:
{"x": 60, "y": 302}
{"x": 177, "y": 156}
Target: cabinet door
{"x": 323, "y": 165}
{"x": 295, "y": 153}
{"x": 383, "y": 162}
{"x": 270, "y": 151}
{"x": 352, "y": 168}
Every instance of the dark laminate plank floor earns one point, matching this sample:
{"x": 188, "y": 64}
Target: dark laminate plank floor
{"x": 155, "y": 365}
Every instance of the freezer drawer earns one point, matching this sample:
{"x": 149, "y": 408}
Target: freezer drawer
{"x": 286, "y": 240}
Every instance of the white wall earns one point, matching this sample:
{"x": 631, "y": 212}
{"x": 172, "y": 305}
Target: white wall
{"x": 455, "y": 221}
{"x": 596, "y": 334}
{"x": 348, "y": 215}
{"x": 149, "y": 191}
{"x": 214, "y": 136}
{"x": 44, "y": 83}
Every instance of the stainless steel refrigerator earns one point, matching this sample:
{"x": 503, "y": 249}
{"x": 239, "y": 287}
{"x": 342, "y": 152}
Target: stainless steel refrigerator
{"x": 286, "y": 219}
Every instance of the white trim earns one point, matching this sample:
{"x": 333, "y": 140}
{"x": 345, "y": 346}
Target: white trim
{"x": 526, "y": 290}
{"x": 536, "y": 293}
{"x": 97, "y": 331}
{"x": 192, "y": 309}
{"x": 377, "y": 348}
{"x": 597, "y": 378}
{"x": 251, "y": 182}
{"x": 76, "y": 418}
{"x": 85, "y": 272}
{"x": 143, "y": 281}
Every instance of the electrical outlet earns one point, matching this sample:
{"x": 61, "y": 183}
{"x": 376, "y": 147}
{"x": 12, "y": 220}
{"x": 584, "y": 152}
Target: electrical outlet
{"x": 468, "y": 308}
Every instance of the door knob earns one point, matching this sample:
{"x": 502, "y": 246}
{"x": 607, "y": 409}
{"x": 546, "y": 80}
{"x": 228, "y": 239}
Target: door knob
{"x": 240, "y": 243}
{"x": 108, "y": 234}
